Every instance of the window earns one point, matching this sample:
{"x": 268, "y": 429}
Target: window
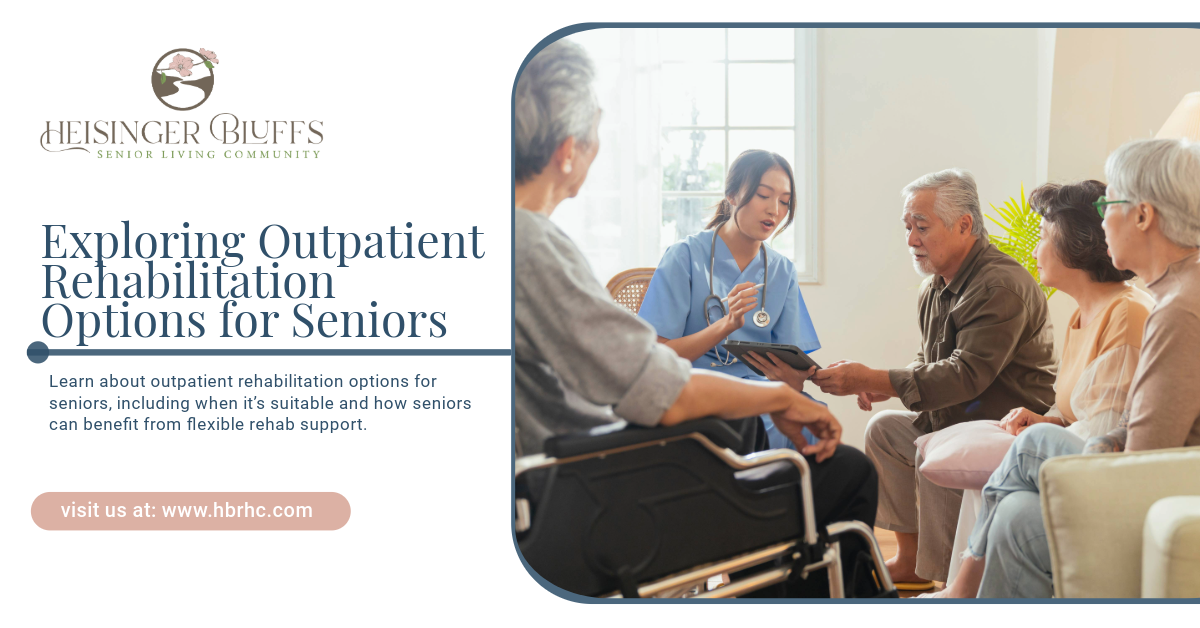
{"x": 679, "y": 105}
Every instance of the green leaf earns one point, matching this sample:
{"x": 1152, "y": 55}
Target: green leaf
{"x": 1007, "y": 216}
{"x": 162, "y": 78}
{"x": 1023, "y": 232}
{"x": 208, "y": 64}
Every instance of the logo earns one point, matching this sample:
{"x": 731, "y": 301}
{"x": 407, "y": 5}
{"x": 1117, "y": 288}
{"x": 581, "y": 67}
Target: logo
{"x": 183, "y": 78}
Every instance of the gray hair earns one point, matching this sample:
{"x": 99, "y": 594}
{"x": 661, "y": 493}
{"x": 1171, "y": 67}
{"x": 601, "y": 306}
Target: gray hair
{"x": 956, "y": 196}
{"x": 1165, "y": 174}
{"x": 553, "y": 100}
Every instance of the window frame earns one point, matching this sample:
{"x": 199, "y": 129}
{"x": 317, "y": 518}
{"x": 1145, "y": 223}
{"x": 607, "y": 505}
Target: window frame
{"x": 805, "y": 227}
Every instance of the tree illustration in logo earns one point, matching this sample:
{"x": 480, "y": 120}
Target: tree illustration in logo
{"x": 184, "y": 81}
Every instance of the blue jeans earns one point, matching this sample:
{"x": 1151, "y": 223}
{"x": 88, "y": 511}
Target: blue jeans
{"x": 1009, "y": 532}
{"x": 778, "y": 440}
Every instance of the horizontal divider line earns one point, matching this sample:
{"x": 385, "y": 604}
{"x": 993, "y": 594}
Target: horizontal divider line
{"x": 279, "y": 352}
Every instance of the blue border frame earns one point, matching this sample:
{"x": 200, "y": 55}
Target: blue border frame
{"x": 586, "y": 26}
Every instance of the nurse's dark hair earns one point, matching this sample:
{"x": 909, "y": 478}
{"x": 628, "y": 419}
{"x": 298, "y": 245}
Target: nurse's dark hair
{"x": 745, "y": 173}
{"x": 1077, "y": 236}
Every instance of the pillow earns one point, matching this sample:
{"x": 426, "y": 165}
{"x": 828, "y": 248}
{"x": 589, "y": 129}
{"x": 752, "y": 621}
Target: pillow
{"x": 964, "y": 455}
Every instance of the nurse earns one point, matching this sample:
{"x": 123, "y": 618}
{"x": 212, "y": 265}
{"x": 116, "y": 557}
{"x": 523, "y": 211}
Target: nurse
{"x": 704, "y": 289}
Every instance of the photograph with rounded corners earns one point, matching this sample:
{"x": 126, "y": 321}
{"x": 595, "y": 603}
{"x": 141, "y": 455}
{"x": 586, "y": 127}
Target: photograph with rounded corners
{"x": 857, "y": 312}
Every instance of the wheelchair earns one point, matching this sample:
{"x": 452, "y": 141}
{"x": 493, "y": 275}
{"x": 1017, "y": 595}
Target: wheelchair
{"x": 632, "y": 512}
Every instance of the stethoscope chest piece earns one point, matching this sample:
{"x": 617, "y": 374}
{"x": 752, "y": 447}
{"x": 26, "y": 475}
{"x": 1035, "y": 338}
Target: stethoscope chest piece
{"x": 760, "y": 318}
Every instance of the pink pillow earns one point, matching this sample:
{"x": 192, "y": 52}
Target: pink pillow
{"x": 964, "y": 455}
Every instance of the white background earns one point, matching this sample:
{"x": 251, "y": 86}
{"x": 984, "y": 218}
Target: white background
{"x": 416, "y": 107}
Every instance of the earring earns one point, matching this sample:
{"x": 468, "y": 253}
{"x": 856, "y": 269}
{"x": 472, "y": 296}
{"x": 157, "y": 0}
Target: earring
{"x": 566, "y": 168}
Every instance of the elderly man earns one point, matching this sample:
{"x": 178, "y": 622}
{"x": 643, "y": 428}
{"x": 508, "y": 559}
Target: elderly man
{"x": 986, "y": 347}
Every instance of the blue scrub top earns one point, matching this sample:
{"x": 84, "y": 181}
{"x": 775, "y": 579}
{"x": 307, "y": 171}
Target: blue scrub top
{"x": 674, "y": 301}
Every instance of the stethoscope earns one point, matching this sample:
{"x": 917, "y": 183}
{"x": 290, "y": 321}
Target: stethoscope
{"x": 761, "y": 317}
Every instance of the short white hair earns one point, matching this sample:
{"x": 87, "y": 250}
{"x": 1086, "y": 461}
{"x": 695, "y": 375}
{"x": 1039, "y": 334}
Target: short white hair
{"x": 1165, "y": 174}
{"x": 956, "y": 196}
{"x": 553, "y": 100}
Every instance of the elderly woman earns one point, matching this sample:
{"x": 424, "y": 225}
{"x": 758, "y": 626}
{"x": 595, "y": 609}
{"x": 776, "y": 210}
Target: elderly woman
{"x": 1152, "y": 227}
{"x": 583, "y": 361}
{"x": 1104, "y": 337}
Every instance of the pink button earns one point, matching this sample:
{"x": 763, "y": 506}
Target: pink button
{"x": 190, "y": 511}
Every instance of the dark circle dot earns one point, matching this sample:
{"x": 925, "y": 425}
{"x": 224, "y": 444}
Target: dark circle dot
{"x": 373, "y": 304}
{"x": 274, "y": 264}
{"x": 185, "y": 225}
{"x": 204, "y": 265}
{"x": 408, "y": 225}
{"x": 124, "y": 303}
{"x": 37, "y": 352}
{"x": 178, "y": 264}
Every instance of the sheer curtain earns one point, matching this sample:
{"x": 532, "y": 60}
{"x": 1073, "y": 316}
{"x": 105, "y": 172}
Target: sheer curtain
{"x": 615, "y": 220}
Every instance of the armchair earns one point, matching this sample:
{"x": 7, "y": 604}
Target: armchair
{"x": 1114, "y": 529}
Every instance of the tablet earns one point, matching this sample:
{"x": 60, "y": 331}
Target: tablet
{"x": 790, "y": 354}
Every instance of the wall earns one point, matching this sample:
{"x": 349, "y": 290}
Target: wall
{"x": 1154, "y": 69}
{"x": 1111, "y": 86}
{"x": 895, "y": 104}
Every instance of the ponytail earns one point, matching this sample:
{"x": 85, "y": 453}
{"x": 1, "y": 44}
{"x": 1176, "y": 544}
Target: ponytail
{"x": 724, "y": 212}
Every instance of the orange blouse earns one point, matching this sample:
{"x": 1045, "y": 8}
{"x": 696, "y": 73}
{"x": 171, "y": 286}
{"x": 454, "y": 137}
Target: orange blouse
{"x": 1098, "y": 363}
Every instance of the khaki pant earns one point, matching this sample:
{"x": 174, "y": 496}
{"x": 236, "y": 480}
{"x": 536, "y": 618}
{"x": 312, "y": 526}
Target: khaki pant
{"x": 907, "y": 501}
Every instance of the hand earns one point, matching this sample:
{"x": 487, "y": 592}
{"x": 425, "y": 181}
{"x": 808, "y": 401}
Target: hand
{"x": 865, "y": 399}
{"x": 742, "y": 299}
{"x": 1112, "y": 442}
{"x": 777, "y": 370}
{"x": 804, "y": 412}
{"x": 1018, "y": 419}
{"x": 841, "y": 378}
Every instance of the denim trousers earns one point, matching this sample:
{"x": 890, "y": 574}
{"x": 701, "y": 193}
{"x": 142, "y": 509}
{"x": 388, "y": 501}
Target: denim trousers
{"x": 1009, "y": 533}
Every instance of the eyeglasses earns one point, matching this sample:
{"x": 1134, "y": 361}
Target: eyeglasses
{"x": 1101, "y": 202}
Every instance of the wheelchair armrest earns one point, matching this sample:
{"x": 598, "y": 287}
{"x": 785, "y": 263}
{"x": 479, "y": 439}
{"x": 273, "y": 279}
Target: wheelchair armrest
{"x": 623, "y": 435}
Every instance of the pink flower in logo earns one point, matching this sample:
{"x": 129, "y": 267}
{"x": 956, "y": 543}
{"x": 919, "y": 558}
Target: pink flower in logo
{"x": 182, "y": 64}
{"x": 210, "y": 55}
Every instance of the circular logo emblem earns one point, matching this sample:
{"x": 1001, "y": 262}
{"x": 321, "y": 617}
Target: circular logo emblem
{"x": 183, "y": 78}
